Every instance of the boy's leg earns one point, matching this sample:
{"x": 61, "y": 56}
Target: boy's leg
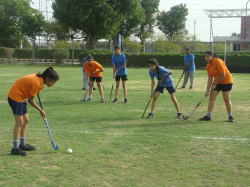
{"x": 85, "y": 80}
{"x": 124, "y": 89}
{"x": 18, "y": 126}
{"x": 185, "y": 78}
{"x": 99, "y": 85}
{"x": 176, "y": 104}
{"x": 226, "y": 97}
{"x": 154, "y": 101}
{"x": 91, "y": 88}
{"x": 191, "y": 78}
{"x": 213, "y": 96}
{"x": 117, "y": 89}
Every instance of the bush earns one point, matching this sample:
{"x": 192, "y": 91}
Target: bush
{"x": 2, "y": 52}
{"x": 59, "y": 55}
{"x": 42, "y": 54}
{"x": 22, "y": 53}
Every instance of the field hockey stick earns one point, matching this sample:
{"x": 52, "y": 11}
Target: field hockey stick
{"x": 87, "y": 89}
{"x": 185, "y": 118}
{"x": 112, "y": 88}
{"x": 179, "y": 79}
{"x": 149, "y": 102}
{"x": 47, "y": 125}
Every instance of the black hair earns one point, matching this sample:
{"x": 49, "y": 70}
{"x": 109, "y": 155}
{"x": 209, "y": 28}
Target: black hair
{"x": 50, "y": 73}
{"x": 117, "y": 47}
{"x": 88, "y": 54}
{"x": 209, "y": 52}
{"x": 90, "y": 57}
{"x": 188, "y": 49}
{"x": 155, "y": 62}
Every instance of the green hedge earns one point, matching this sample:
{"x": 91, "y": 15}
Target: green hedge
{"x": 166, "y": 60}
{"x": 2, "y": 53}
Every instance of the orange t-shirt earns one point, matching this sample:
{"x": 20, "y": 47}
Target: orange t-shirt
{"x": 26, "y": 86}
{"x": 94, "y": 67}
{"x": 217, "y": 67}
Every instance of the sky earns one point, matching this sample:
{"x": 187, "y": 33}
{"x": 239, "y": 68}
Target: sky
{"x": 221, "y": 26}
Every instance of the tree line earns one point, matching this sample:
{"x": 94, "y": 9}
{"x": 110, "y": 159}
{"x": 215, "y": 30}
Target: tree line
{"x": 90, "y": 20}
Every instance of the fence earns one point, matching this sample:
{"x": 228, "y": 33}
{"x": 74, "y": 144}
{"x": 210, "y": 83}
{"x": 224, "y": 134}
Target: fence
{"x": 69, "y": 49}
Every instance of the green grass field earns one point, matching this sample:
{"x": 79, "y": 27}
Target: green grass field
{"x": 113, "y": 146}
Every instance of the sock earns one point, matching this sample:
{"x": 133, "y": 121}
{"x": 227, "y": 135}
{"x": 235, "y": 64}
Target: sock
{"x": 152, "y": 112}
{"x": 102, "y": 97}
{"x": 209, "y": 114}
{"x": 15, "y": 144}
{"x": 230, "y": 115}
{"x": 179, "y": 112}
{"x": 23, "y": 140}
{"x": 90, "y": 97}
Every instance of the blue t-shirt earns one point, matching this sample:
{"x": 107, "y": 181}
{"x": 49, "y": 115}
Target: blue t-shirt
{"x": 83, "y": 61}
{"x": 168, "y": 82}
{"x": 187, "y": 59}
{"x": 119, "y": 61}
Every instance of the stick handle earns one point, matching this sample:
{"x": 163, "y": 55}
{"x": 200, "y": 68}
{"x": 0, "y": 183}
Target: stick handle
{"x": 38, "y": 95}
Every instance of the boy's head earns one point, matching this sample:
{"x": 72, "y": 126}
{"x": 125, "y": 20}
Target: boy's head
{"x": 88, "y": 54}
{"x": 188, "y": 50}
{"x": 117, "y": 50}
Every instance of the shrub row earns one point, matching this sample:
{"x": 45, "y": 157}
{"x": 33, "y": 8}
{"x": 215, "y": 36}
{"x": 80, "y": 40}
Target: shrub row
{"x": 166, "y": 60}
{"x": 2, "y": 53}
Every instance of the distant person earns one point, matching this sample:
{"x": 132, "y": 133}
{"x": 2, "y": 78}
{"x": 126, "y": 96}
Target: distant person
{"x": 119, "y": 68}
{"x": 188, "y": 68}
{"x": 94, "y": 68}
{"x": 219, "y": 79}
{"x": 164, "y": 81}
{"x": 85, "y": 80}
{"x": 27, "y": 87}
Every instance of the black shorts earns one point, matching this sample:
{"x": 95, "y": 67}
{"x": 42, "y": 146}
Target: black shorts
{"x": 17, "y": 107}
{"x": 124, "y": 77}
{"x": 224, "y": 87}
{"x": 98, "y": 79}
{"x": 169, "y": 89}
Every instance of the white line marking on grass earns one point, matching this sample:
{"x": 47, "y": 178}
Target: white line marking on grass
{"x": 116, "y": 134}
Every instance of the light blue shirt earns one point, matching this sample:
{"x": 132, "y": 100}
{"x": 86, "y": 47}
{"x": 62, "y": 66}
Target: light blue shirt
{"x": 187, "y": 59}
{"x": 83, "y": 61}
{"x": 168, "y": 82}
{"x": 119, "y": 61}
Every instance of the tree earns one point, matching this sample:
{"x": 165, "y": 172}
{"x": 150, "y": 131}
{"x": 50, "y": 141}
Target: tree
{"x": 173, "y": 21}
{"x": 235, "y": 34}
{"x": 146, "y": 28}
{"x": 33, "y": 24}
{"x": 96, "y": 18}
{"x": 11, "y": 13}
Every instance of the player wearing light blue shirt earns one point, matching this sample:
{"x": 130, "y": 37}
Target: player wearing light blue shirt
{"x": 189, "y": 69}
{"x": 119, "y": 72}
{"x": 164, "y": 81}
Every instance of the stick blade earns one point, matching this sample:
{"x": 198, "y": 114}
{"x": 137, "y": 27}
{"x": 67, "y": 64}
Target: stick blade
{"x": 184, "y": 117}
{"x": 56, "y": 147}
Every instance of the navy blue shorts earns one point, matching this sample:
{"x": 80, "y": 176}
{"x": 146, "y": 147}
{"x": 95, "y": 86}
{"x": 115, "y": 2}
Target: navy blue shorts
{"x": 118, "y": 77}
{"x": 170, "y": 89}
{"x": 98, "y": 79}
{"x": 224, "y": 87}
{"x": 18, "y": 108}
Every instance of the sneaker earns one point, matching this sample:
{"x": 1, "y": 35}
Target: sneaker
{"x": 151, "y": 115}
{"x": 83, "y": 88}
{"x": 125, "y": 101}
{"x": 190, "y": 88}
{"x": 179, "y": 115}
{"x": 182, "y": 87}
{"x": 27, "y": 147}
{"x": 18, "y": 152}
{"x": 89, "y": 99}
{"x": 115, "y": 100}
{"x": 231, "y": 119}
{"x": 102, "y": 100}
{"x": 94, "y": 88}
{"x": 205, "y": 118}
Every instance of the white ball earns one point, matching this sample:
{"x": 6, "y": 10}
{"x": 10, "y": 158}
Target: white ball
{"x": 69, "y": 151}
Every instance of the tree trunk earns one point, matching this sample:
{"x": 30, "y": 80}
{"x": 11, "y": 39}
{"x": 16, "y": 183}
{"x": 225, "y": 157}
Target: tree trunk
{"x": 92, "y": 42}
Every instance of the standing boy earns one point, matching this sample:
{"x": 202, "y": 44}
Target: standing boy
{"x": 119, "y": 72}
{"x": 188, "y": 68}
{"x": 85, "y": 79}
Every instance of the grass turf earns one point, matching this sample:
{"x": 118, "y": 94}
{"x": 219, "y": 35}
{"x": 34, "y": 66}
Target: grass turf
{"x": 113, "y": 146}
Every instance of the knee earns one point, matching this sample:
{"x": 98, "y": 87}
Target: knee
{"x": 124, "y": 86}
{"x": 26, "y": 121}
{"x": 227, "y": 100}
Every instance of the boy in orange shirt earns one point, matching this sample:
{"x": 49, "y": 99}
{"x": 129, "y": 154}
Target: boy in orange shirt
{"x": 223, "y": 81}
{"x": 27, "y": 87}
{"x": 93, "y": 68}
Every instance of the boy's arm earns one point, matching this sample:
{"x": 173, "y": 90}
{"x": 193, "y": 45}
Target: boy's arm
{"x": 33, "y": 103}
